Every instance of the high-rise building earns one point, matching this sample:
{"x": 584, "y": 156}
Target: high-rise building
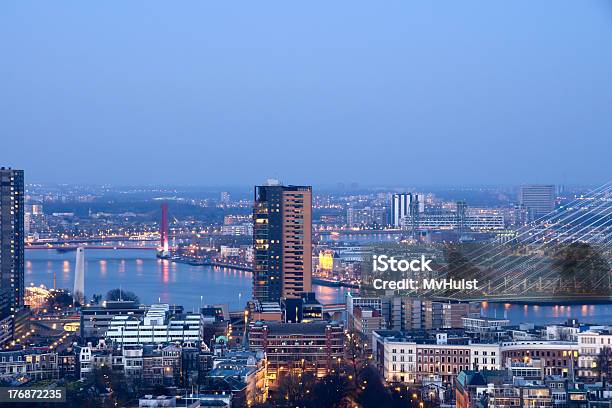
{"x": 538, "y": 199}
{"x": 282, "y": 241}
{"x": 400, "y": 208}
{"x": 11, "y": 241}
{"x": 225, "y": 197}
{"x": 461, "y": 214}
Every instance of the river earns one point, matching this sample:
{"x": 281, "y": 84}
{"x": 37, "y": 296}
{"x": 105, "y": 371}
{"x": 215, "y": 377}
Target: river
{"x": 156, "y": 280}
{"x": 150, "y": 278}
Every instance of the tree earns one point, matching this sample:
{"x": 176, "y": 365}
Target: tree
{"x": 354, "y": 347}
{"x": 372, "y": 392}
{"x": 330, "y": 391}
{"x": 294, "y": 390}
{"x": 59, "y": 299}
{"x": 119, "y": 294}
{"x": 582, "y": 267}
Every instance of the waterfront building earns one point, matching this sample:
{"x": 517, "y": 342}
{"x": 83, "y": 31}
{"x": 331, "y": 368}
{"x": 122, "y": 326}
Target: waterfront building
{"x": 282, "y": 236}
{"x": 564, "y": 332}
{"x": 12, "y": 236}
{"x": 485, "y": 327}
{"x": 452, "y": 221}
{"x": 315, "y": 347}
{"x": 538, "y": 199}
{"x": 95, "y": 319}
{"x": 158, "y": 325}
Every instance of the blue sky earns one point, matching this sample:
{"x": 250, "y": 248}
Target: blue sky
{"x": 230, "y": 93}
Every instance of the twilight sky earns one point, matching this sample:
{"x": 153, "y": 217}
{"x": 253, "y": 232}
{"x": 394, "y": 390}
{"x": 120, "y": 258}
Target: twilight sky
{"x": 317, "y": 92}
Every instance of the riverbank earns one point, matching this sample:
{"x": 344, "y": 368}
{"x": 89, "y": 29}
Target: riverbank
{"x": 156, "y": 280}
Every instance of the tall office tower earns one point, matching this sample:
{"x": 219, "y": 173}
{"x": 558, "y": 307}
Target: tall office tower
{"x": 225, "y": 197}
{"x": 78, "y": 294}
{"x": 415, "y": 211}
{"x": 400, "y": 208}
{"x": 420, "y": 198}
{"x": 11, "y": 241}
{"x": 539, "y": 200}
{"x": 282, "y": 241}
{"x": 460, "y": 214}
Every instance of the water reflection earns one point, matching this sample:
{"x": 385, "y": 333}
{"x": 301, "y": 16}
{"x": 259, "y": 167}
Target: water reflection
{"x": 539, "y": 314}
{"x": 151, "y": 279}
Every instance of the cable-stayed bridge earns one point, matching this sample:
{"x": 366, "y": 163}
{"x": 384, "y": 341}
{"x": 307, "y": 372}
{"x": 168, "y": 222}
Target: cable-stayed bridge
{"x": 564, "y": 255}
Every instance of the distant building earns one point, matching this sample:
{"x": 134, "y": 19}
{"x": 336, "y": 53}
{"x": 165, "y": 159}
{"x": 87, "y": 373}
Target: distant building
{"x": 225, "y": 197}
{"x": 282, "y": 235}
{"x": 365, "y": 320}
{"x": 408, "y": 313}
{"x": 454, "y": 221}
{"x": 366, "y": 217}
{"x": 237, "y": 230}
{"x": 400, "y": 208}
{"x": 157, "y": 326}
{"x": 538, "y": 199}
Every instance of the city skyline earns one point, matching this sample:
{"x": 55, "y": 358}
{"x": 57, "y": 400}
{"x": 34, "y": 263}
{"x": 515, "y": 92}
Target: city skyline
{"x": 321, "y": 204}
{"x": 394, "y": 94}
